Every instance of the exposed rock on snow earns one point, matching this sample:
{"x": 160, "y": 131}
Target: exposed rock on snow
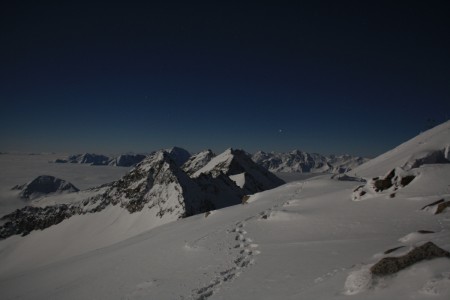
{"x": 303, "y": 162}
{"x": 393, "y": 181}
{"x": 441, "y": 207}
{"x": 432, "y": 204}
{"x": 44, "y": 185}
{"x": 345, "y": 177}
{"x": 437, "y": 207}
{"x": 23, "y": 221}
{"x": 391, "y": 265}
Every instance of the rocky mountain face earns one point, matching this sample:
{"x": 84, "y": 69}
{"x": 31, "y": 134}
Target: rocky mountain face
{"x": 159, "y": 187}
{"x": 240, "y": 168}
{"x": 44, "y": 185}
{"x": 197, "y": 161}
{"x": 303, "y": 162}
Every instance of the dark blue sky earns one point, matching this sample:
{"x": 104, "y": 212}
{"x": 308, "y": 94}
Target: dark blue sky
{"x": 332, "y": 76}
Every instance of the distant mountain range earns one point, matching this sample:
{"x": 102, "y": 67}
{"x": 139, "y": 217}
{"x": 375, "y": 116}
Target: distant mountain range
{"x": 179, "y": 155}
{"x": 295, "y": 161}
{"x": 303, "y": 162}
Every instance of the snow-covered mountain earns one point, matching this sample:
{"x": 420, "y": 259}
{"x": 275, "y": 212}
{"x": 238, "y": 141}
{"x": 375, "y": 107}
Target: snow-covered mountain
{"x": 179, "y": 155}
{"x": 197, "y": 161}
{"x": 44, "y": 185}
{"x": 240, "y": 168}
{"x": 126, "y": 160}
{"x": 303, "y": 162}
{"x": 86, "y": 158}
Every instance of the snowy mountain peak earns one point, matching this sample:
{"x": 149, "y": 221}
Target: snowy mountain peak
{"x": 158, "y": 183}
{"x": 241, "y": 169}
{"x": 44, "y": 185}
{"x": 197, "y": 161}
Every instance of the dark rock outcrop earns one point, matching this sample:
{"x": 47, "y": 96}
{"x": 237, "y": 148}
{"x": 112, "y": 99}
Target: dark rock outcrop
{"x": 385, "y": 183}
{"x": 441, "y": 207}
{"x": 23, "y": 221}
{"x": 392, "y": 265}
{"x": 432, "y": 204}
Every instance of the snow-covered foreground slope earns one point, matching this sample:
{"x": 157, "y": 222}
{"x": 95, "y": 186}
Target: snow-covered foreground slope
{"x": 304, "y": 240}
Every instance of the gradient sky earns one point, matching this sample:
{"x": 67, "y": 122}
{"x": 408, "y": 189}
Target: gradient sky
{"x": 328, "y": 77}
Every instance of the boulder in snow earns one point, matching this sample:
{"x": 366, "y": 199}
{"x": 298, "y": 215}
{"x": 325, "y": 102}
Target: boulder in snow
{"x": 392, "y": 265}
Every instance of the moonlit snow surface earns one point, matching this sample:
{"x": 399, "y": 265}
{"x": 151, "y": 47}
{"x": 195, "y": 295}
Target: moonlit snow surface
{"x": 306, "y": 239}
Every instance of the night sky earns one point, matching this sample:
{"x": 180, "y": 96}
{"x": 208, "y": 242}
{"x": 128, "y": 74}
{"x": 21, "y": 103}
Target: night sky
{"x": 356, "y": 77}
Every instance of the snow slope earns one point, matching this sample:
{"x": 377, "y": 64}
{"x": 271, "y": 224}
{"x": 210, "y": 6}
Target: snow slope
{"x": 303, "y": 240}
{"x": 432, "y": 146}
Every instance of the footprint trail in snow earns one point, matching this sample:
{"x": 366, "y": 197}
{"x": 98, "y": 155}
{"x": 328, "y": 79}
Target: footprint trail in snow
{"x": 244, "y": 250}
